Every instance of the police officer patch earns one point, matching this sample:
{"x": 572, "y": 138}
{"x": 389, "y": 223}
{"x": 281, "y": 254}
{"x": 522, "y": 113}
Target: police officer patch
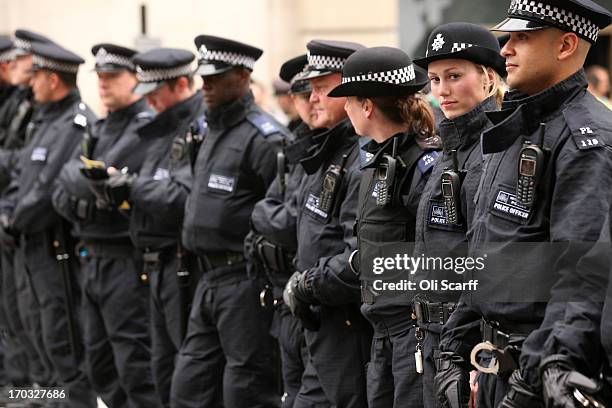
{"x": 507, "y": 205}
{"x": 39, "y": 154}
{"x": 221, "y": 183}
{"x": 437, "y": 217}
{"x": 161, "y": 174}
{"x": 312, "y": 207}
{"x": 427, "y": 161}
{"x": 264, "y": 124}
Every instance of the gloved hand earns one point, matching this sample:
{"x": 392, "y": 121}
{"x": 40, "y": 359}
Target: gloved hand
{"x": 452, "y": 381}
{"x": 296, "y": 304}
{"x": 558, "y": 391}
{"x": 118, "y": 187}
{"x": 98, "y": 189}
{"x": 521, "y": 394}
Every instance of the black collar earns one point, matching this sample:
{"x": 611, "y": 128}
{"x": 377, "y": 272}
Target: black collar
{"x": 53, "y": 109}
{"x": 522, "y": 115}
{"x": 119, "y": 118}
{"x": 326, "y": 144}
{"x": 304, "y": 140}
{"x": 230, "y": 114}
{"x": 174, "y": 117}
{"x": 377, "y": 150}
{"x": 465, "y": 130}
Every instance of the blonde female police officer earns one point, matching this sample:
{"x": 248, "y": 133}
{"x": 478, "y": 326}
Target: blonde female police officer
{"x": 464, "y": 67}
{"x": 380, "y": 84}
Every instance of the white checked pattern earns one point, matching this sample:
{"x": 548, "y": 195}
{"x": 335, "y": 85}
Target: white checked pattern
{"x": 162, "y": 74}
{"x": 23, "y": 44}
{"x": 231, "y": 58}
{"x": 460, "y": 46}
{"x": 552, "y": 14}
{"x": 54, "y": 65}
{"x": 325, "y": 62}
{"x": 104, "y": 57}
{"x": 7, "y": 55}
{"x": 397, "y": 76}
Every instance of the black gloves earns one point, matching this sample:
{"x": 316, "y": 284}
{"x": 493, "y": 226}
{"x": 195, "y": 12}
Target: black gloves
{"x": 521, "y": 394}
{"x": 452, "y": 381}
{"x": 118, "y": 188}
{"x": 296, "y": 297}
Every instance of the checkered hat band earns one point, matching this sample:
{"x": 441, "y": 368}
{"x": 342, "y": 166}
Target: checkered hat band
{"x": 161, "y": 74}
{"x": 114, "y": 59}
{"x": 554, "y": 15}
{"x": 230, "y": 58}
{"x": 397, "y": 76}
{"x": 22, "y": 44}
{"x": 7, "y": 56}
{"x": 54, "y": 65}
{"x": 460, "y": 46}
{"x": 325, "y": 62}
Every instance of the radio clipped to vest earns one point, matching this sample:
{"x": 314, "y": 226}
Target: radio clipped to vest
{"x": 281, "y": 168}
{"x": 531, "y": 162}
{"x": 385, "y": 177}
{"x": 451, "y": 191}
{"x": 331, "y": 184}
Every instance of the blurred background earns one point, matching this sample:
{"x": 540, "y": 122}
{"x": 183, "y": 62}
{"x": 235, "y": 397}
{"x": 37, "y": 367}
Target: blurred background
{"x": 280, "y": 27}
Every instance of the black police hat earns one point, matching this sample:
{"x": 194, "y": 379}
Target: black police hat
{"x": 24, "y": 40}
{"x": 6, "y": 48}
{"x": 292, "y": 71}
{"x": 53, "y": 57}
{"x": 380, "y": 71}
{"x": 583, "y": 17}
{"x": 464, "y": 41}
{"x": 326, "y": 57}
{"x": 218, "y": 55}
{"x": 155, "y": 67}
{"x": 113, "y": 58}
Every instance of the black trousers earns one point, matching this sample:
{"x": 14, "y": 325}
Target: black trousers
{"x": 115, "y": 314}
{"x": 51, "y": 323}
{"x": 227, "y": 354}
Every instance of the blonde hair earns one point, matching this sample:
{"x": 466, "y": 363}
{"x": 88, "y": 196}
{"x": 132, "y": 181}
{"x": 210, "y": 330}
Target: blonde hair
{"x": 495, "y": 87}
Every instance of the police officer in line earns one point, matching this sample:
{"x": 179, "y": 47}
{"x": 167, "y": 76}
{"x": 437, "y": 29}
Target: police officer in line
{"x": 56, "y": 130}
{"x": 15, "y": 116}
{"x": 465, "y": 81}
{"x": 324, "y": 292}
{"x": 115, "y": 299}
{"x": 6, "y": 56}
{"x": 272, "y": 243}
{"x": 539, "y": 205}
{"x": 156, "y": 194}
{"x": 381, "y": 84}
{"x": 228, "y": 334}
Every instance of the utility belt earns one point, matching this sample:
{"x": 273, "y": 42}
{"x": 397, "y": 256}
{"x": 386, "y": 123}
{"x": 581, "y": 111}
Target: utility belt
{"x": 212, "y": 264}
{"x": 433, "y": 312}
{"x": 503, "y": 349}
{"x": 87, "y": 250}
{"x": 155, "y": 256}
{"x": 274, "y": 258}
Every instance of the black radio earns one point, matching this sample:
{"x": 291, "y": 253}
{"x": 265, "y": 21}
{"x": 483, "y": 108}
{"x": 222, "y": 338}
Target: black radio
{"x": 451, "y": 191}
{"x": 384, "y": 177}
{"x": 531, "y": 161}
{"x": 331, "y": 184}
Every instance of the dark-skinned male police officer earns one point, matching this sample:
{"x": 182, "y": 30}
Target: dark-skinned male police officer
{"x": 15, "y": 115}
{"x": 157, "y": 196}
{"x": 115, "y": 299}
{"x": 272, "y": 243}
{"x": 324, "y": 293}
{"x": 227, "y": 337}
{"x": 539, "y": 206}
{"x": 59, "y": 126}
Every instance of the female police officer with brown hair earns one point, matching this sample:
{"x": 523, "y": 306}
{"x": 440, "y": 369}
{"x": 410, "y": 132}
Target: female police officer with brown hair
{"x": 381, "y": 84}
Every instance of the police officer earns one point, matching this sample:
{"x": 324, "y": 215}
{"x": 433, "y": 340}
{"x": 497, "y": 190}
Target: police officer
{"x": 227, "y": 337}
{"x": 539, "y": 204}
{"x": 323, "y": 292}
{"x": 6, "y": 46}
{"x": 59, "y": 126}
{"x": 272, "y": 243}
{"x": 381, "y": 84}
{"x": 115, "y": 298}
{"x": 465, "y": 81}
{"x": 157, "y": 194}
{"x": 15, "y": 115}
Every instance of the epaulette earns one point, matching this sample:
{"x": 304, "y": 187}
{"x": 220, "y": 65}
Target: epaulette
{"x": 427, "y": 161}
{"x": 263, "y": 123}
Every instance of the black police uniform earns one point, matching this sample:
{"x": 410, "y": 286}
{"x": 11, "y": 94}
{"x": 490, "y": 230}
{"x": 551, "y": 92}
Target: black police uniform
{"x": 227, "y": 337}
{"x": 15, "y": 115}
{"x": 157, "y": 198}
{"x": 271, "y": 245}
{"x": 437, "y": 235}
{"x": 568, "y": 208}
{"x": 115, "y": 296}
{"x": 59, "y": 127}
{"x": 386, "y": 215}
